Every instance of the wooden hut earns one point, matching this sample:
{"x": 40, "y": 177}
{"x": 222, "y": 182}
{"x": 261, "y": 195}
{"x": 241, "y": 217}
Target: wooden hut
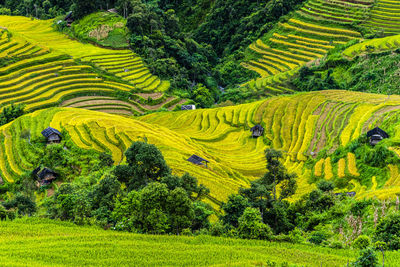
{"x": 257, "y": 131}
{"x": 198, "y": 160}
{"x": 188, "y": 107}
{"x": 69, "y": 18}
{"x": 53, "y": 136}
{"x": 44, "y": 176}
{"x": 376, "y": 135}
{"x": 349, "y": 194}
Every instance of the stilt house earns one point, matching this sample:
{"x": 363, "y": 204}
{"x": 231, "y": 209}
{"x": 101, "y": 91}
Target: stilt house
{"x": 376, "y": 135}
{"x": 53, "y": 136}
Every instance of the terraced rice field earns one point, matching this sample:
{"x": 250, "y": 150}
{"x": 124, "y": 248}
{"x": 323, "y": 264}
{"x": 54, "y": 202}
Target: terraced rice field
{"x": 385, "y": 17}
{"x": 317, "y": 27}
{"x": 300, "y": 125}
{"x": 122, "y": 63}
{"x": 44, "y": 68}
{"x": 375, "y": 45}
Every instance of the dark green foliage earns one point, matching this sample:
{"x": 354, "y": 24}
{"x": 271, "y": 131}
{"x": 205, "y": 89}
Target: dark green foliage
{"x": 23, "y": 205}
{"x": 233, "y": 209}
{"x": 326, "y": 186}
{"x": 233, "y": 24}
{"x": 10, "y": 113}
{"x": 145, "y": 164}
{"x": 187, "y": 182}
{"x": 367, "y": 258}
{"x": 156, "y": 209}
{"x": 262, "y": 196}
{"x": 374, "y": 73}
{"x": 362, "y": 242}
{"x": 388, "y": 231}
{"x": 318, "y": 237}
{"x": 202, "y": 212}
{"x": 3, "y": 213}
{"x": 251, "y": 225}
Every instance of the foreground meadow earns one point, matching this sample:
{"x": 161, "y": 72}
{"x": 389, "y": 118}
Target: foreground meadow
{"x": 41, "y": 242}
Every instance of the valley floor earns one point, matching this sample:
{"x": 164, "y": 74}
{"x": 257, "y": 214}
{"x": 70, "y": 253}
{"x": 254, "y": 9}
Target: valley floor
{"x": 42, "y": 242}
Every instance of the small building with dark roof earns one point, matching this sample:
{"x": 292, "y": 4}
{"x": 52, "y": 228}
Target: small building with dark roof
{"x": 69, "y": 18}
{"x": 198, "y": 160}
{"x": 257, "y": 131}
{"x": 188, "y": 107}
{"x": 44, "y": 176}
{"x": 376, "y": 135}
{"x": 349, "y": 194}
{"x": 53, "y": 136}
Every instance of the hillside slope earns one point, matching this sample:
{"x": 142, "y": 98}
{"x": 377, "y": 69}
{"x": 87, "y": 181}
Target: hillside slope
{"x": 301, "y": 125}
{"x": 42, "y": 68}
{"x": 307, "y": 36}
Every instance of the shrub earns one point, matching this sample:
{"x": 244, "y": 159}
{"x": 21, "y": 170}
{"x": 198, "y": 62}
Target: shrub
{"x": 388, "y": 230}
{"x": 296, "y": 236}
{"x": 3, "y": 213}
{"x": 252, "y": 227}
{"x": 367, "y": 258}
{"x": 217, "y": 229}
{"x": 362, "y": 242}
{"x": 318, "y": 237}
{"x": 336, "y": 245}
{"x": 326, "y": 186}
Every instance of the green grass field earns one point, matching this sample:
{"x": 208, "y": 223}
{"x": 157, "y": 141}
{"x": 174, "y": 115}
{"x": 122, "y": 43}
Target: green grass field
{"x": 40, "y": 242}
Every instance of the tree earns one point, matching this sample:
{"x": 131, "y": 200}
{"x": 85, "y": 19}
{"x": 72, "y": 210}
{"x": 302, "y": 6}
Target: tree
{"x": 180, "y": 210}
{"x": 3, "y": 213}
{"x": 10, "y": 113}
{"x": 145, "y": 164}
{"x": 233, "y": 209}
{"x": 201, "y": 213}
{"x": 388, "y": 231}
{"x": 188, "y": 183}
{"x": 23, "y": 204}
{"x": 367, "y": 258}
{"x": 202, "y": 96}
{"x": 252, "y": 227}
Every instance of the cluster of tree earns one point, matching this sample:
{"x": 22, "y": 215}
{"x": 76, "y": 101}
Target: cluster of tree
{"x": 170, "y": 53}
{"x": 140, "y": 196}
{"x": 10, "y": 113}
{"x": 374, "y": 73}
{"x": 49, "y": 9}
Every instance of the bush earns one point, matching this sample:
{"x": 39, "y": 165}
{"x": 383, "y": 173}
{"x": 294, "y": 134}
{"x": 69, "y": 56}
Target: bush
{"x": 367, "y": 258}
{"x": 362, "y": 242}
{"x": 336, "y": 245}
{"x": 217, "y": 229}
{"x": 388, "y": 230}
{"x": 318, "y": 237}
{"x": 296, "y": 236}
{"x": 252, "y": 227}
{"x": 3, "y": 213}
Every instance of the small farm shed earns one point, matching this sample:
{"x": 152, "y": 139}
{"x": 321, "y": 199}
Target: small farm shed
{"x": 376, "y": 135}
{"x": 45, "y": 176}
{"x": 69, "y": 19}
{"x": 188, "y": 107}
{"x": 198, "y": 160}
{"x": 257, "y": 131}
{"x": 349, "y": 194}
{"x": 53, "y": 136}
